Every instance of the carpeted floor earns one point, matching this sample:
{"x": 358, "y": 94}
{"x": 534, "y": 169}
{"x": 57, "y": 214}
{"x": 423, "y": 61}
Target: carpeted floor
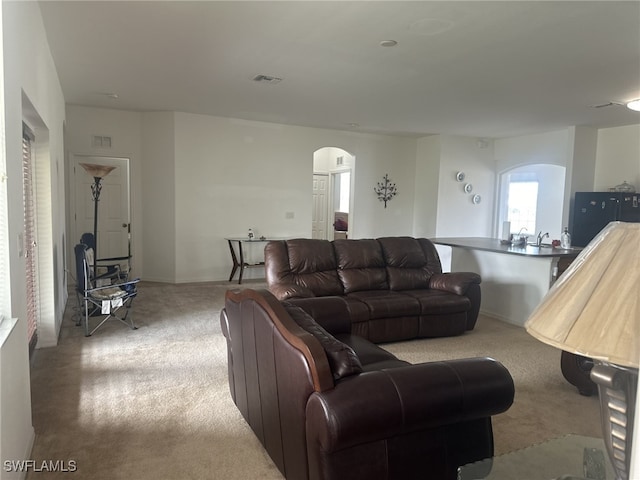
{"x": 154, "y": 403}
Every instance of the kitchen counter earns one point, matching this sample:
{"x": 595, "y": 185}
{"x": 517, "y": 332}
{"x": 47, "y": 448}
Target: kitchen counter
{"x": 514, "y": 279}
{"x": 496, "y": 245}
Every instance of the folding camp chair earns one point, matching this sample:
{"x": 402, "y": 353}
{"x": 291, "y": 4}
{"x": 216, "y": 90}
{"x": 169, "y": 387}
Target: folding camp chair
{"x": 105, "y": 296}
{"x": 109, "y": 265}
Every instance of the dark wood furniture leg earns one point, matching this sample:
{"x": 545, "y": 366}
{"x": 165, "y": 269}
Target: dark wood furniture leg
{"x": 235, "y": 260}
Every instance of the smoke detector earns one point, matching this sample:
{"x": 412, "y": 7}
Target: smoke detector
{"x": 267, "y": 79}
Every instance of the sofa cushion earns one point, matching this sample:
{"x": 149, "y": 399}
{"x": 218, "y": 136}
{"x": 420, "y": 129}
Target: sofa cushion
{"x": 312, "y": 264}
{"x": 342, "y": 359}
{"x": 361, "y": 265}
{"x": 439, "y": 302}
{"x": 409, "y": 264}
{"x": 387, "y": 304}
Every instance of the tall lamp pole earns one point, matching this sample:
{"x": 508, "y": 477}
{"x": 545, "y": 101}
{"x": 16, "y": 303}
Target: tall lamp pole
{"x": 98, "y": 172}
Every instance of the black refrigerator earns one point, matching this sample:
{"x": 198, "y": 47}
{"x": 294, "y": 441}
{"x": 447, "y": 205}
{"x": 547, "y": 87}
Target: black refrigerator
{"x": 592, "y": 211}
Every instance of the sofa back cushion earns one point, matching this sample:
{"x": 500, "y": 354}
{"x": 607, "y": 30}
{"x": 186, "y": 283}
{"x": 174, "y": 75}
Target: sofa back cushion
{"x": 342, "y": 359}
{"x": 311, "y": 263}
{"x": 361, "y": 265}
{"x": 410, "y": 262}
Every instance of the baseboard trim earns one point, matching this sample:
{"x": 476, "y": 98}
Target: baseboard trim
{"x": 497, "y": 316}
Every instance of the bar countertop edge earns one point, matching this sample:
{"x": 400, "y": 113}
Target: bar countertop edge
{"x": 497, "y": 246}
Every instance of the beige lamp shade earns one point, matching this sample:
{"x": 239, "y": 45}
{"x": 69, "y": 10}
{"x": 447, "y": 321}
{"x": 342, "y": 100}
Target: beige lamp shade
{"x": 593, "y": 309}
{"x": 99, "y": 171}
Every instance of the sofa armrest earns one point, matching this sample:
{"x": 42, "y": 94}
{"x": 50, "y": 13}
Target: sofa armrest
{"x": 382, "y": 404}
{"x": 285, "y": 291}
{"x": 454, "y": 282}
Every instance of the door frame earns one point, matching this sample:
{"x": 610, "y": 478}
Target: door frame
{"x": 329, "y": 165}
{"x": 331, "y": 203}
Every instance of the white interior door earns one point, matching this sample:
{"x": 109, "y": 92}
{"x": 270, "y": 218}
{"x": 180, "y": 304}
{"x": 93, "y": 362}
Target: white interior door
{"x": 320, "y": 206}
{"x": 113, "y": 205}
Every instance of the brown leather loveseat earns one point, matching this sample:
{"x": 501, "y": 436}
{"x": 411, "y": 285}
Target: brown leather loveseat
{"x": 394, "y": 286}
{"x": 328, "y": 404}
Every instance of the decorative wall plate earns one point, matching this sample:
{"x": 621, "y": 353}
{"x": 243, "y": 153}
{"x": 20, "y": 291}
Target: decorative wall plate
{"x": 460, "y": 176}
{"x": 468, "y": 188}
{"x": 476, "y": 199}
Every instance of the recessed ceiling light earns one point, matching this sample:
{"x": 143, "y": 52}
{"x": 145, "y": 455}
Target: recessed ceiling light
{"x": 634, "y": 105}
{"x": 388, "y": 43}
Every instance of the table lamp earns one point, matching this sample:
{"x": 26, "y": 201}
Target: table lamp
{"x": 593, "y": 310}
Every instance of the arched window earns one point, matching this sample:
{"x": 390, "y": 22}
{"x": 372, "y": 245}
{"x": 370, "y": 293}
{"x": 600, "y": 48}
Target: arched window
{"x": 522, "y": 201}
{"x": 531, "y": 198}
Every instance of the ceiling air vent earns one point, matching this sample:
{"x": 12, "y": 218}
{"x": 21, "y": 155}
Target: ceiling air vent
{"x": 267, "y": 79}
{"x": 99, "y": 141}
{"x": 607, "y": 104}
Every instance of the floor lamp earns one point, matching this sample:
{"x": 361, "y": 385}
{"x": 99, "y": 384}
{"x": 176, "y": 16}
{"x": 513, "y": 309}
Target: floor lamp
{"x": 98, "y": 172}
{"x": 593, "y": 310}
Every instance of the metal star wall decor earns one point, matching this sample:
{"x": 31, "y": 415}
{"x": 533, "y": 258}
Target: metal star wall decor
{"x": 385, "y": 190}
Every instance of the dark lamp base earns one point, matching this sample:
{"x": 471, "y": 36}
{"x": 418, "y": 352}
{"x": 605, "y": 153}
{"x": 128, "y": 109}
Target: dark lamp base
{"x": 617, "y": 387}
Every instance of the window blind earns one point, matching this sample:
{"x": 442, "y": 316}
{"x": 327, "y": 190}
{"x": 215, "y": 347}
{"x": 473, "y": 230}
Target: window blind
{"x": 30, "y": 236}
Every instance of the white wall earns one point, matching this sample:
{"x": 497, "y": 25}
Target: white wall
{"x": 232, "y": 175}
{"x": 550, "y": 147}
{"x": 29, "y": 75}
{"x": 580, "y": 167}
{"x": 125, "y": 130}
{"x": 427, "y": 178}
{"x": 206, "y": 178}
{"x": 581, "y": 155}
{"x": 617, "y": 157}
{"x": 157, "y": 188}
{"x": 457, "y": 215}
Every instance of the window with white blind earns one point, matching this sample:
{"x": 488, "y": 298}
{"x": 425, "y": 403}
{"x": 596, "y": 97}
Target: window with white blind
{"x": 522, "y": 202}
{"x": 30, "y": 236}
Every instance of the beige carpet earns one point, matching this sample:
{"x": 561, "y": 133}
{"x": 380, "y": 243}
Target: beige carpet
{"x": 154, "y": 403}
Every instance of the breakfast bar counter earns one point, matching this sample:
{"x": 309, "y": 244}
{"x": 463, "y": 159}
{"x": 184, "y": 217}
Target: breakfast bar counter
{"x": 514, "y": 278}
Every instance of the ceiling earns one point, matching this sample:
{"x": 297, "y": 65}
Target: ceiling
{"x": 482, "y": 69}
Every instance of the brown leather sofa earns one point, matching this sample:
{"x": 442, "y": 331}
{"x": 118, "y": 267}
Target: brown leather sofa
{"x": 394, "y": 286}
{"x": 327, "y": 404}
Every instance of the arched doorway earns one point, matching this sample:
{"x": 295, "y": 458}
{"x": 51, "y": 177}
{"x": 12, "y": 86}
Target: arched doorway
{"x": 332, "y": 193}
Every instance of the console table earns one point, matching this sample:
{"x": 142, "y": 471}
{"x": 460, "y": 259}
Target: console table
{"x": 236, "y": 247}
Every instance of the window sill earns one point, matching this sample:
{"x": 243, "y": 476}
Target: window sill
{"x": 6, "y": 327}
